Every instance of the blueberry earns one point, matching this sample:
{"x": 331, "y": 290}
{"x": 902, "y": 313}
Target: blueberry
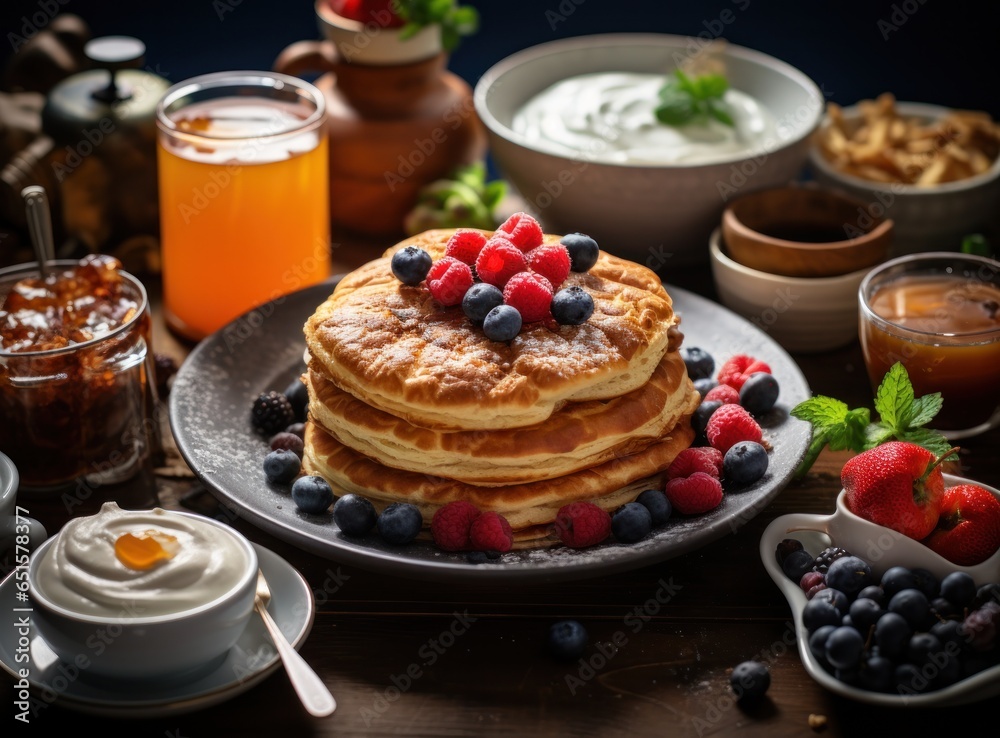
{"x": 844, "y": 648}
{"x": 572, "y": 306}
{"x": 907, "y": 679}
{"x": 354, "y": 514}
{"x": 927, "y": 582}
{"x": 797, "y": 563}
{"x": 583, "y": 251}
{"x": 410, "y": 265}
{"x": 298, "y": 395}
{"x": 836, "y": 598}
{"x": 865, "y": 613}
{"x": 700, "y": 364}
{"x": 658, "y": 505}
{"x": 817, "y": 641}
{"x": 502, "y": 323}
{"x": 476, "y": 557}
{"x": 750, "y": 681}
{"x": 400, "y": 523}
{"x": 922, "y": 647}
{"x": 479, "y": 299}
{"x": 281, "y": 466}
{"x": 876, "y": 674}
{"x": 631, "y": 522}
{"x": 759, "y": 393}
{"x": 744, "y": 463}
{"x": 567, "y": 640}
{"x": 958, "y": 588}
{"x": 914, "y": 606}
{"x": 897, "y": 578}
{"x": 873, "y": 592}
{"x": 312, "y": 494}
{"x": 298, "y": 429}
{"x": 849, "y": 574}
{"x": 950, "y": 632}
{"x": 704, "y": 385}
{"x": 943, "y": 608}
{"x": 699, "y": 420}
{"x": 892, "y": 634}
{"x": 288, "y": 442}
{"x": 819, "y": 612}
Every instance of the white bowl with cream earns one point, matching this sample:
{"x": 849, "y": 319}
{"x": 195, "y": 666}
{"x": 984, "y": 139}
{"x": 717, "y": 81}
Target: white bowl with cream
{"x": 571, "y": 127}
{"x": 170, "y": 604}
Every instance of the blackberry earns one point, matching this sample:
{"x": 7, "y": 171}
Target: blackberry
{"x": 827, "y": 556}
{"x": 271, "y": 413}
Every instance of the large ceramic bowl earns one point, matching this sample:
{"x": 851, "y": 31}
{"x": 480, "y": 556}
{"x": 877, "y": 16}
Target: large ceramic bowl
{"x": 660, "y": 215}
{"x": 128, "y": 639}
{"x": 931, "y": 218}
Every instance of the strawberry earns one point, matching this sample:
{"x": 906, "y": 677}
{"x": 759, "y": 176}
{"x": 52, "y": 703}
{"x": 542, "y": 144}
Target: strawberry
{"x": 898, "y": 485}
{"x": 367, "y": 11}
{"x": 968, "y": 531}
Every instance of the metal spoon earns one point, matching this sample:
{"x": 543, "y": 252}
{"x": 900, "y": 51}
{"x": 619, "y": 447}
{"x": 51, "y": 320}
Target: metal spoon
{"x": 36, "y": 205}
{"x": 314, "y": 695}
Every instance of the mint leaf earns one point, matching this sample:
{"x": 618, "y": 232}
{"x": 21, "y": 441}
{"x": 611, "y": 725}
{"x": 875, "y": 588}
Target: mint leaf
{"x": 976, "y": 243}
{"x": 875, "y": 434}
{"x": 720, "y": 113}
{"x": 676, "y": 110}
{"x": 932, "y": 440}
{"x": 894, "y": 398}
{"x": 711, "y": 85}
{"x": 684, "y": 99}
{"x": 925, "y": 408}
{"x": 821, "y": 410}
{"x": 850, "y": 434}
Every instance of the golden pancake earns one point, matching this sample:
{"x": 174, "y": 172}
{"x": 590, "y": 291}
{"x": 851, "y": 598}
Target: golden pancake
{"x": 395, "y": 348}
{"x": 609, "y": 485}
{"x": 577, "y": 436}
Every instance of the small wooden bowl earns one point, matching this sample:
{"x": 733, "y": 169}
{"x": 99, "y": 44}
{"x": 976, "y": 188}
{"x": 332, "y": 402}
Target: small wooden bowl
{"x": 805, "y": 231}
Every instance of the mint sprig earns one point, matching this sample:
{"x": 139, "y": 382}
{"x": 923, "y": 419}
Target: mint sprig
{"x": 685, "y": 99}
{"x": 902, "y": 417}
{"x": 455, "y": 20}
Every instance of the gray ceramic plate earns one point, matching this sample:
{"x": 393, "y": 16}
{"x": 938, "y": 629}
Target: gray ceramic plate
{"x": 210, "y": 416}
{"x": 247, "y": 663}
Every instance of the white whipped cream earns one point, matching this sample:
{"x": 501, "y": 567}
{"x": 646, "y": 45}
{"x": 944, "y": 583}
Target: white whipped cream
{"x": 81, "y": 572}
{"x": 609, "y": 117}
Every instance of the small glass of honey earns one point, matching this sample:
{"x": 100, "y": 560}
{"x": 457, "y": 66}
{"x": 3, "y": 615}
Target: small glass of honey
{"x": 938, "y": 314}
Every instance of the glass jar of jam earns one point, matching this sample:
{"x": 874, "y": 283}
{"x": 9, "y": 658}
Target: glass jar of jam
{"x": 939, "y": 315}
{"x": 77, "y": 389}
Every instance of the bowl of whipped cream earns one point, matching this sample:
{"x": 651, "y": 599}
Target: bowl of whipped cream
{"x": 143, "y": 594}
{"x": 578, "y": 128}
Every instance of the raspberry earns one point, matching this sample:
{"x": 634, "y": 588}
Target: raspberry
{"x": 523, "y": 231}
{"x": 499, "y": 261}
{"x": 729, "y": 425}
{"x": 451, "y": 523}
{"x": 551, "y": 261}
{"x": 723, "y": 393}
{"x": 491, "y": 532}
{"x": 530, "y": 294}
{"x": 448, "y": 280}
{"x": 582, "y": 524}
{"x": 695, "y": 494}
{"x": 465, "y": 245}
{"x": 738, "y": 369}
{"x": 696, "y": 459}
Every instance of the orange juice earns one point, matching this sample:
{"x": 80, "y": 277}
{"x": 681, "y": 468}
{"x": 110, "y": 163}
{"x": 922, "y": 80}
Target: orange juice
{"x": 244, "y": 208}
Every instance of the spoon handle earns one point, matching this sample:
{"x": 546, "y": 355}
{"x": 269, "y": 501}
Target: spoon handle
{"x": 39, "y": 218}
{"x": 314, "y": 695}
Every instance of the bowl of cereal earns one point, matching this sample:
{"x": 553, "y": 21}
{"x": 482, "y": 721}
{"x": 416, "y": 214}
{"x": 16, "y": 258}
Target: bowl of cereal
{"x": 935, "y": 171}
{"x": 639, "y": 140}
{"x": 144, "y": 594}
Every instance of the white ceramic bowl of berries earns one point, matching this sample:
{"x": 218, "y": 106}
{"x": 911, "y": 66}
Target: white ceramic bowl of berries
{"x": 886, "y": 618}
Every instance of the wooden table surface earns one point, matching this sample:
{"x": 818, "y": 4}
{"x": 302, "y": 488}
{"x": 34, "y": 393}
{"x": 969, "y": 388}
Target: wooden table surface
{"x": 669, "y": 678}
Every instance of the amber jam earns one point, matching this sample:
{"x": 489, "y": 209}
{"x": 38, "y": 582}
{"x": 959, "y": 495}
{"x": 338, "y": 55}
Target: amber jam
{"x": 75, "y": 358}
{"x": 943, "y": 325}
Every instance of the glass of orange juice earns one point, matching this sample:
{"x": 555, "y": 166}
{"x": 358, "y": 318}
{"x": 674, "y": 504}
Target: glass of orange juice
{"x": 244, "y": 205}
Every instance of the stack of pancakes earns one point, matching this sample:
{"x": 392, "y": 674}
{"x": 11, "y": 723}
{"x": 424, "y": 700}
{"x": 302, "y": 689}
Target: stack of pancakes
{"x": 410, "y": 402}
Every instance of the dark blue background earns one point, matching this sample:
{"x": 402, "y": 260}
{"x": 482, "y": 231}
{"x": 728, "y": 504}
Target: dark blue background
{"x": 944, "y": 52}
